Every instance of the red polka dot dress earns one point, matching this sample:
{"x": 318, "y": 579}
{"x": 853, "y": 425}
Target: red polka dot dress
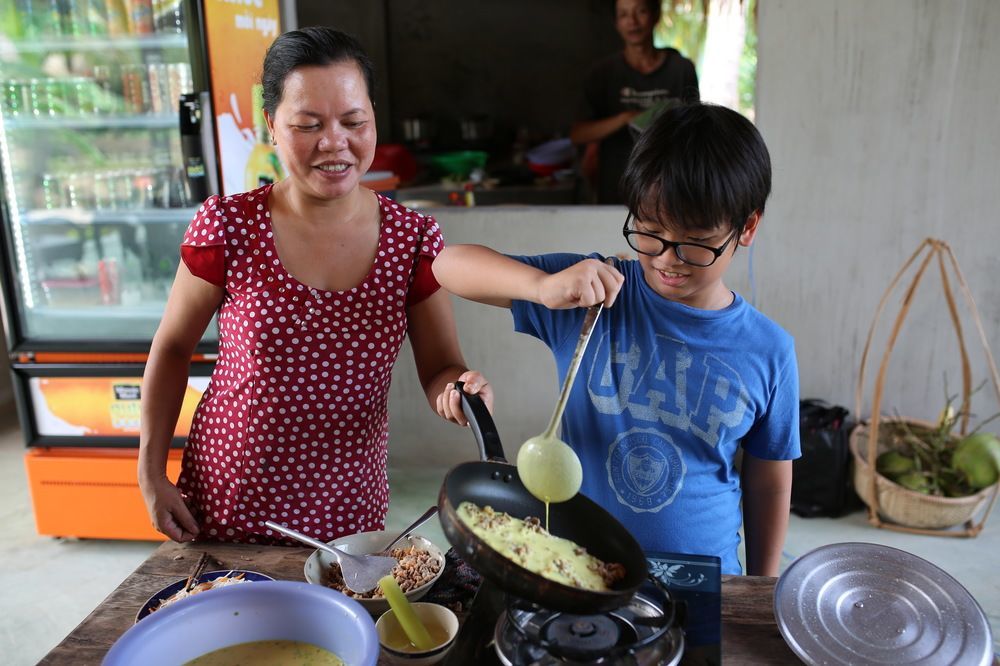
{"x": 294, "y": 425}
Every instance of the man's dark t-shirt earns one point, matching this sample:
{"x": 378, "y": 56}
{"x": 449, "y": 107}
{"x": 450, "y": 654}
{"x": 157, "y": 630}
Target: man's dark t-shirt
{"x": 612, "y": 87}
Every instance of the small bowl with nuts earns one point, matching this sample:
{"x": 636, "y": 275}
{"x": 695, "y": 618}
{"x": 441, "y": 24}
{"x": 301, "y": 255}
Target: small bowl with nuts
{"x": 421, "y": 563}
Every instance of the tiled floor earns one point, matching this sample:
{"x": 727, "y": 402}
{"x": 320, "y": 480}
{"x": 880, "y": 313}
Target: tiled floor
{"x": 49, "y": 585}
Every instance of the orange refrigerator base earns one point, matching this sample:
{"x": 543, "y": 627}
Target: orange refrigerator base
{"x": 91, "y": 493}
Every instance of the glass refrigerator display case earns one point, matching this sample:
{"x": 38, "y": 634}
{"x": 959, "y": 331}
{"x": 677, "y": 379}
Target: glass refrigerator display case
{"x": 108, "y": 144}
{"x": 97, "y": 199}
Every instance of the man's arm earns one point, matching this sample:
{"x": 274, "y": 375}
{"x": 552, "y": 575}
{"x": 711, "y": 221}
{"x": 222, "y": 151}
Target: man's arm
{"x": 587, "y": 131}
{"x": 767, "y": 492}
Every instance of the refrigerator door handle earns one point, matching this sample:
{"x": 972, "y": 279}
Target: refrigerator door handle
{"x": 208, "y": 143}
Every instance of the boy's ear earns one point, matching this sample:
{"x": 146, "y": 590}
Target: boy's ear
{"x": 750, "y": 229}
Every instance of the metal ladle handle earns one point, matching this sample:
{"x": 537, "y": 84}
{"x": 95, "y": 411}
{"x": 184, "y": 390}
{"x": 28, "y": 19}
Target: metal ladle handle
{"x": 414, "y": 525}
{"x": 589, "y": 323}
{"x": 298, "y": 536}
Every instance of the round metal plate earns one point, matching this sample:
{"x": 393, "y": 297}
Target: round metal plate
{"x": 867, "y": 603}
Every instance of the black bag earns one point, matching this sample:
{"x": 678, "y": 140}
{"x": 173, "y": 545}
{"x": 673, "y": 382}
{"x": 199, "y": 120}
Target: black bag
{"x": 822, "y": 483}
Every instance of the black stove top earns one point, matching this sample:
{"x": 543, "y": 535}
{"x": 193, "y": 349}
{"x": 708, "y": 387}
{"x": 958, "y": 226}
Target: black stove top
{"x": 691, "y": 579}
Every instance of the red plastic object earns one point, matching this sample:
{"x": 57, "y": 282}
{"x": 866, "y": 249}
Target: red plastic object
{"x": 545, "y": 170}
{"x": 396, "y": 158}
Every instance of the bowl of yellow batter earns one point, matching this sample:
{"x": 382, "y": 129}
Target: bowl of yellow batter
{"x": 270, "y": 622}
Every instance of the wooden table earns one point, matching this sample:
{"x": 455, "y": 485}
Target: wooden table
{"x": 749, "y": 632}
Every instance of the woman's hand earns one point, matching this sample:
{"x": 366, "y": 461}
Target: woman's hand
{"x": 168, "y": 511}
{"x": 583, "y": 284}
{"x": 449, "y": 402}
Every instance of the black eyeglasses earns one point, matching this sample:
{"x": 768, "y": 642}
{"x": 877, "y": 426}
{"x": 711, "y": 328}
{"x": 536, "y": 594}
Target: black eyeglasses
{"x": 652, "y": 245}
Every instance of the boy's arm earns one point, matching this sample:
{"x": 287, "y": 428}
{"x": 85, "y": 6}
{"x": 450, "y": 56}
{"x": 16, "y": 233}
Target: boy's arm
{"x": 480, "y": 274}
{"x": 767, "y": 492}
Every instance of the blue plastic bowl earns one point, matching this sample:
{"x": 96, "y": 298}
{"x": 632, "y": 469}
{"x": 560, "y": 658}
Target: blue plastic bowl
{"x": 278, "y": 610}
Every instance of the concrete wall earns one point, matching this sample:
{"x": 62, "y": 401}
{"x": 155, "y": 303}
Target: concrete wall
{"x": 881, "y": 120}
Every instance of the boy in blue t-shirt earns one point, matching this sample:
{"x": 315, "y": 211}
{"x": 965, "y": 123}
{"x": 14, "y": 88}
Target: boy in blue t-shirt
{"x": 681, "y": 372}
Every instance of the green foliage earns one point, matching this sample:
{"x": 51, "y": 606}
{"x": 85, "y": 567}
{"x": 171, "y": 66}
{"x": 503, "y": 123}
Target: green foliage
{"x": 935, "y": 461}
{"x": 684, "y": 26}
{"x": 748, "y": 65}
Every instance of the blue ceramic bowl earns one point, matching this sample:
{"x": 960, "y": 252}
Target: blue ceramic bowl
{"x": 170, "y": 590}
{"x": 274, "y": 610}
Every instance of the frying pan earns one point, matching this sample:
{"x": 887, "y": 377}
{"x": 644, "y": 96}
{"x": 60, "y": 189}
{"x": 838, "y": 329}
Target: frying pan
{"x": 494, "y": 482}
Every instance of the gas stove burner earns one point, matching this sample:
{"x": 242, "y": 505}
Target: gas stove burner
{"x": 582, "y": 635}
{"x": 646, "y": 630}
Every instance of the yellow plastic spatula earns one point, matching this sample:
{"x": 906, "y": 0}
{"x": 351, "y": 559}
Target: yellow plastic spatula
{"x": 408, "y": 619}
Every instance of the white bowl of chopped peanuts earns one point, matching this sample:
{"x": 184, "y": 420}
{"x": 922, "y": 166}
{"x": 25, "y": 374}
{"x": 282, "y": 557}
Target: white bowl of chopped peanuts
{"x": 421, "y": 563}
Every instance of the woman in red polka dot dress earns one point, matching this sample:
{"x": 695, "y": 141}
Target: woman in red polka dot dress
{"x": 316, "y": 281}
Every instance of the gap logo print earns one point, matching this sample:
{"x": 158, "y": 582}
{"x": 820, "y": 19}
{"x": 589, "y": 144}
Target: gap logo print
{"x": 670, "y": 394}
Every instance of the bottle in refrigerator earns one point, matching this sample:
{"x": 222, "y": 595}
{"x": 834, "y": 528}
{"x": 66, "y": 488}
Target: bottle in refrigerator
{"x": 263, "y": 166}
{"x": 140, "y": 16}
{"x": 178, "y": 82}
{"x": 135, "y": 89}
{"x": 74, "y": 18}
{"x": 117, "y": 17}
{"x": 52, "y": 191}
{"x": 14, "y": 92}
{"x": 168, "y": 16}
{"x": 97, "y": 17}
{"x": 109, "y": 281}
{"x": 108, "y": 89}
{"x": 28, "y": 17}
{"x": 159, "y": 87}
{"x": 49, "y": 17}
{"x": 43, "y": 97}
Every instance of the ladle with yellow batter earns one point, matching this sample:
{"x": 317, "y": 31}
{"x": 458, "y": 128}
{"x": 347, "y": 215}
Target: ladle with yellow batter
{"x": 548, "y": 467}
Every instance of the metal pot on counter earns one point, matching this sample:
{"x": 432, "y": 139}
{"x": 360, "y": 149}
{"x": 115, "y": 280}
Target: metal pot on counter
{"x": 417, "y": 130}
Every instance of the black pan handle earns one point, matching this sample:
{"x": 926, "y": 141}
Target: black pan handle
{"x": 487, "y": 437}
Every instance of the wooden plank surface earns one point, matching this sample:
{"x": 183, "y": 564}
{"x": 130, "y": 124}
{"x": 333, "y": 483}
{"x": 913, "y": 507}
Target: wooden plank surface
{"x": 749, "y": 632}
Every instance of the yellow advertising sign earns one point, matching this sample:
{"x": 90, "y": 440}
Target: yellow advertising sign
{"x": 238, "y": 33}
{"x": 100, "y": 406}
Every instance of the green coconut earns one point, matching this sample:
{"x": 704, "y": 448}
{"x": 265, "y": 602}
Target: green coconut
{"x": 977, "y": 458}
{"x": 892, "y": 464}
{"x": 914, "y": 481}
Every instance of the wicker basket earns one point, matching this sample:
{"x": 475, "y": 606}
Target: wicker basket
{"x": 907, "y": 507}
{"x": 907, "y": 510}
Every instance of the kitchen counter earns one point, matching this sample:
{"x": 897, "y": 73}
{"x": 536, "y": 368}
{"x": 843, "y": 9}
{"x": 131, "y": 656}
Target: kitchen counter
{"x": 557, "y": 193}
{"x": 749, "y": 632}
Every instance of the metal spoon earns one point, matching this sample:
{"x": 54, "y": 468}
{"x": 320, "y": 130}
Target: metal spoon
{"x": 548, "y": 467}
{"x": 414, "y": 525}
{"x": 361, "y": 572}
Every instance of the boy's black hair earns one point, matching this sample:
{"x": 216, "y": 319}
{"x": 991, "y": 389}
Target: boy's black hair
{"x": 310, "y": 46}
{"x": 698, "y": 166}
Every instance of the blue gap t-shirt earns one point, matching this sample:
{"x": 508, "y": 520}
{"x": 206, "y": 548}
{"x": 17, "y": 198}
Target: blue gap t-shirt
{"x": 664, "y": 396}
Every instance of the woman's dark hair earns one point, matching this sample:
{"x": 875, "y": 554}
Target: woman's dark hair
{"x": 698, "y": 166}
{"x": 310, "y": 46}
